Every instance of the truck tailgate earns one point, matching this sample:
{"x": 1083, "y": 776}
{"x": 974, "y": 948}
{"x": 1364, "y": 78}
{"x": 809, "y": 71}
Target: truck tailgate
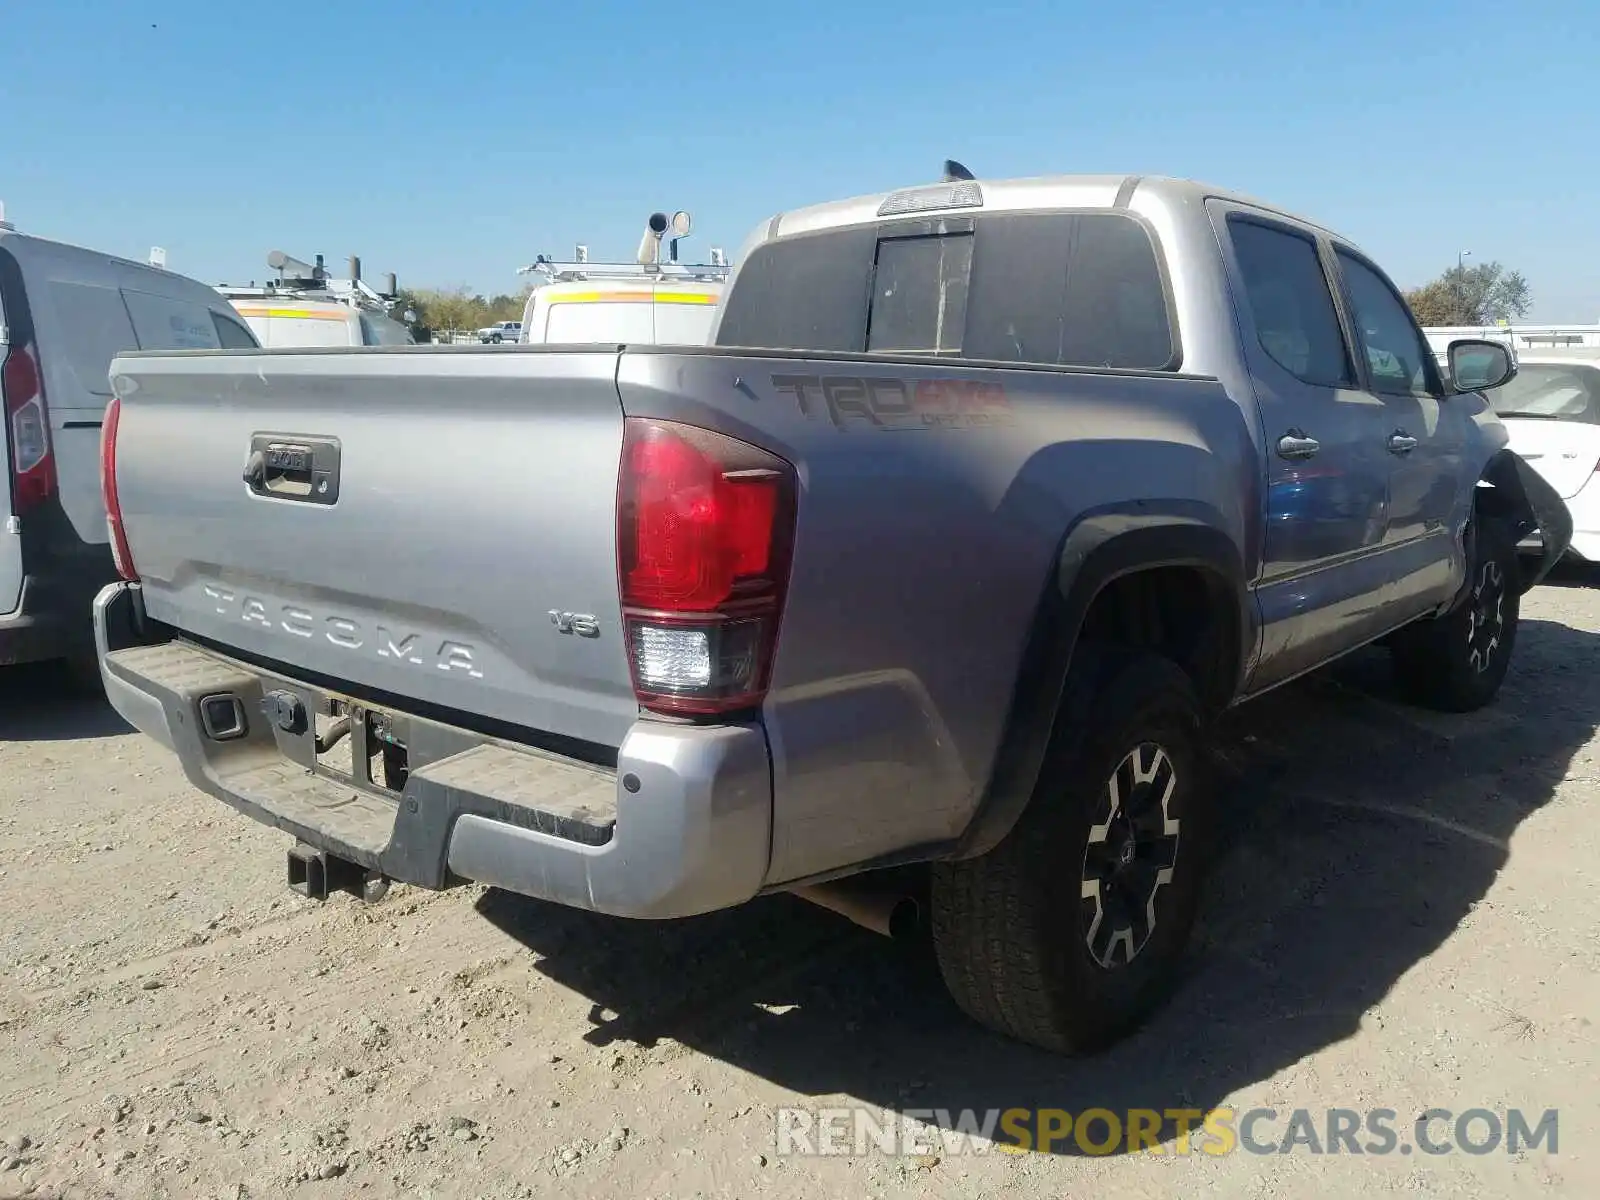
{"x": 472, "y": 495}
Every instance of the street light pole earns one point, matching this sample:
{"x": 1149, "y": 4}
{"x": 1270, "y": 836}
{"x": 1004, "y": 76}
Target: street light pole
{"x": 1461, "y": 281}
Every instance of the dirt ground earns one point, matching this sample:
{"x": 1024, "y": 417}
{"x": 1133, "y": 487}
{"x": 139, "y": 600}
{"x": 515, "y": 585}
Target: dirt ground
{"x": 1404, "y": 916}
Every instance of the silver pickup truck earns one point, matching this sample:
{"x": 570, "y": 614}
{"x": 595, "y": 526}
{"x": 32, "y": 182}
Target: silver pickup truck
{"x": 985, "y": 500}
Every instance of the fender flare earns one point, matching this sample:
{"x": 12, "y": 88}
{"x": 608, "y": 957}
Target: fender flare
{"x": 1510, "y": 489}
{"x": 1101, "y": 547}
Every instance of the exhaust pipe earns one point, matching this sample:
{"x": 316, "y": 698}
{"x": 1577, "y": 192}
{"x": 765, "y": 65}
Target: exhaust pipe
{"x": 883, "y": 907}
{"x": 650, "y": 244}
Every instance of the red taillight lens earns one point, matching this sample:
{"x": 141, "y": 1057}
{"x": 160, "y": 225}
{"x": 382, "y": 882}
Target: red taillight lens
{"x": 108, "y": 490}
{"x": 33, "y": 466}
{"x": 705, "y": 526}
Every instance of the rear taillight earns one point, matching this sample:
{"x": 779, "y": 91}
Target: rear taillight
{"x": 33, "y": 466}
{"x": 108, "y": 490}
{"x": 705, "y": 528}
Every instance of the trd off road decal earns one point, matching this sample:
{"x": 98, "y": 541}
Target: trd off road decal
{"x": 885, "y": 403}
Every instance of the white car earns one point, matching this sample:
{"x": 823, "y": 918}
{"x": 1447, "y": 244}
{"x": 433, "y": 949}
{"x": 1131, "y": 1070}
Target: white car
{"x": 1551, "y": 409}
{"x": 503, "y": 331}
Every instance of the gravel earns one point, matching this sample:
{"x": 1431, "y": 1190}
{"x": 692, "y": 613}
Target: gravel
{"x": 1402, "y": 915}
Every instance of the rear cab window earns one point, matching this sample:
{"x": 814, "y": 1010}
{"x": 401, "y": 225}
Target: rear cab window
{"x": 1062, "y": 288}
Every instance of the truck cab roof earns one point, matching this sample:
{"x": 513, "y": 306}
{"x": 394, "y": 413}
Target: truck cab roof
{"x": 1046, "y": 192}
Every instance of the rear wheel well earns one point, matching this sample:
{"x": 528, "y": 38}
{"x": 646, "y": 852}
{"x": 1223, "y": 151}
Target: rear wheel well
{"x": 1185, "y": 614}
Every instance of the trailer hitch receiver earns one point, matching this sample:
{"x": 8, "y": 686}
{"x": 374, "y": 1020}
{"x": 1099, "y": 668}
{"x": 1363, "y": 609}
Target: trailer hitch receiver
{"x": 316, "y": 874}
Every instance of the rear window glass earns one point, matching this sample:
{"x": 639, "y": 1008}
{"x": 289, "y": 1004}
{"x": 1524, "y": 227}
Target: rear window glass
{"x": 580, "y": 322}
{"x": 919, "y": 295}
{"x": 804, "y": 293}
{"x": 1556, "y": 392}
{"x": 1060, "y": 289}
{"x": 381, "y": 331}
{"x": 233, "y": 335}
{"x": 679, "y": 324}
{"x": 294, "y": 331}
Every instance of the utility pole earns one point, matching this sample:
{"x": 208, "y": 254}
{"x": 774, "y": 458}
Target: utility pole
{"x": 1461, "y": 280}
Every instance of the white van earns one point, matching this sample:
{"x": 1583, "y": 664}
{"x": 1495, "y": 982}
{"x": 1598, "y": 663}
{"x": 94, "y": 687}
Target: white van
{"x": 306, "y": 307}
{"x": 634, "y": 311}
{"x": 65, "y": 313}
{"x": 293, "y": 321}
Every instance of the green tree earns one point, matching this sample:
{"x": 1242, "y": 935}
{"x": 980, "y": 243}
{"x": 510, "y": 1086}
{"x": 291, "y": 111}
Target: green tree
{"x": 444, "y": 310}
{"x": 1482, "y": 294}
{"x": 457, "y": 310}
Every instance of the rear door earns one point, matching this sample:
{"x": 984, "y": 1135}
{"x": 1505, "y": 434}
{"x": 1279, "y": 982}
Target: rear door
{"x": 1327, "y": 476}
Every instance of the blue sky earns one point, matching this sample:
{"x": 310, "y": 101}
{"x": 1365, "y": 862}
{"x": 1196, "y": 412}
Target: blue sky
{"x": 452, "y": 142}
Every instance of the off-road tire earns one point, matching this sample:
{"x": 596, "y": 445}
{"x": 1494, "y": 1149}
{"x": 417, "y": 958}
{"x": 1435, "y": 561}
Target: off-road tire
{"x": 1457, "y": 662}
{"x": 1012, "y": 928}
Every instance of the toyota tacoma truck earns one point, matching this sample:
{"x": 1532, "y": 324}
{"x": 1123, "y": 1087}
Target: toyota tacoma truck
{"x": 986, "y": 498}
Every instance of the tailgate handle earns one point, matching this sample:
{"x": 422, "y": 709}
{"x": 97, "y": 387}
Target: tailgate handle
{"x": 293, "y": 467}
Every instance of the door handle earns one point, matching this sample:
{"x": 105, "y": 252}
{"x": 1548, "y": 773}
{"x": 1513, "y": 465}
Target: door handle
{"x": 1295, "y": 444}
{"x": 1401, "y": 442}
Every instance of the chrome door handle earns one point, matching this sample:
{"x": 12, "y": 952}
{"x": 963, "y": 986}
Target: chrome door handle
{"x": 1297, "y": 445}
{"x": 1401, "y": 442}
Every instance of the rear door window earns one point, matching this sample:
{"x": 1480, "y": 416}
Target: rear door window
{"x": 1291, "y": 304}
{"x": 165, "y": 323}
{"x": 93, "y": 327}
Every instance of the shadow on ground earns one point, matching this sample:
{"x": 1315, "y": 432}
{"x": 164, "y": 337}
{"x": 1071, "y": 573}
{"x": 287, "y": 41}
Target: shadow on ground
{"x": 43, "y": 702}
{"x": 1359, "y": 834}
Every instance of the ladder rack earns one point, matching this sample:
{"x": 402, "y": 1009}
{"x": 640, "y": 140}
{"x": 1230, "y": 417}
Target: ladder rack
{"x": 564, "y": 272}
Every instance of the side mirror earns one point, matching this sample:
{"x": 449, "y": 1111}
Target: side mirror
{"x": 1477, "y": 366}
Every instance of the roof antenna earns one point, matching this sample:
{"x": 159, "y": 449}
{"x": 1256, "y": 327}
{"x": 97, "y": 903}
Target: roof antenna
{"x": 954, "y": 171}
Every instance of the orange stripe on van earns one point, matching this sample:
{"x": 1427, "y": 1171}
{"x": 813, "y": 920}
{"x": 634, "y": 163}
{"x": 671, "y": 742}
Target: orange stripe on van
{"x": 298, "y": 314}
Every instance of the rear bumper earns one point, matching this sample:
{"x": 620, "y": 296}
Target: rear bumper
{"x": 681, "y": 826}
